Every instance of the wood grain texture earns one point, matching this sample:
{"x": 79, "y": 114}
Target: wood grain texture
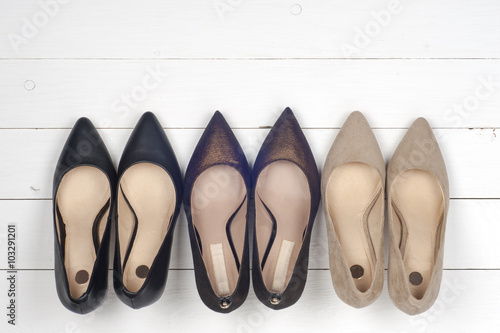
{"x": 394, "y": 60}
{"x": 31, "y": 155}
{"x": 251, "y": 29}
{"x": 250, "y": 93}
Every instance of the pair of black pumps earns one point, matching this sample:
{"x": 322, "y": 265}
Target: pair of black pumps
{"x": 144, "y": 198}
{"x": 227, "y": 205}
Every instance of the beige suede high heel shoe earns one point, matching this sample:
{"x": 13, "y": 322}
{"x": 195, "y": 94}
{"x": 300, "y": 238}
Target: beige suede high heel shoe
{"x": 418, "y": 198}
{"x": 352, "y": 187}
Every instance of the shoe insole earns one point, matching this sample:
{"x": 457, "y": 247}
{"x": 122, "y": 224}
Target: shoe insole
{"x": 418, "y": 203}
{"x": 352, "y": 192}
{"x": 146, "y": 204}
{"x": 218, "y": 208}
{"x": 82, "y": 200}
{"x": 282, "y": 202}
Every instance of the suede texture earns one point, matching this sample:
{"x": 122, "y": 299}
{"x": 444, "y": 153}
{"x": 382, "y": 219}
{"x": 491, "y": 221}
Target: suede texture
{"x": 418, "y": 150}
{"x": 354, "y": 143}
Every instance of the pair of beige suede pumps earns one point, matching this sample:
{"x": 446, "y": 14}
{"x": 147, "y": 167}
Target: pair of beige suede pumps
{"x": 353, "y": 189}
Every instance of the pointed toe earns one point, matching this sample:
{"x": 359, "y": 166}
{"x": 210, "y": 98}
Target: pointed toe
{"x": 287, "y": 113}
{"x": 148, "y": 121}
{"x": 85, "y": 140}
{"x": 219, "y": 125}
{"x": 149, "y": 143}
{"x": 355, "y": 142}
{"x": 217, "y": 116}
{"x": 83, "y": 146}
{"x": 216, "y": 200}
{"x": 353, "y": 182}
{"x": 149, "y": 196}
{"x": 356, "y": 121}
{"x": 220, "y": 141}
{"x": 356, "y": 135}
{"x": 286, "y": 193}
{"x": 83, "y": 192}
{"x": 285, "y": 141}
{"x": 419, "y": 129}
{"x": 418, "y": 200}
{"x": 82, "y": 131}
{"x": 287, "y": 120}
{"x": 418, "y": 149}
{"x": 148, "y": 115}
{"x": 421, "y": 122}
{"x": 83, "y": 123}
{"x": 148, "y": 133}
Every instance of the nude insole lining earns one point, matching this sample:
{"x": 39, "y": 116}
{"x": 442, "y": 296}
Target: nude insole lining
{"x": 218, "y": 208}
{"x": 82, "y": 201}
{"x": 146, "y": 203}
{"x": 351, "y": 193}
{"x": 282, "y": 197}
{"x": 418, "y": 204}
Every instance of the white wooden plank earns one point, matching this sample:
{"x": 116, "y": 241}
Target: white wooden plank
{"x": 251, "y": 93}
{"x": 30, "y": 156}
{"x": 256, "y": 29}
{"x": 467, "y": 302}
{"x": 471, "y": 238}
{"x": 250, "y": 59}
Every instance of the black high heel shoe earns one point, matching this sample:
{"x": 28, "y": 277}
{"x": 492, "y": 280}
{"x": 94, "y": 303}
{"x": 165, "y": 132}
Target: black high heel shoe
{"x": 286, "y": 195}
{"x": 149, "y": 197}
{"x": 83, "y": 193}
{"x": 216, "y": 197}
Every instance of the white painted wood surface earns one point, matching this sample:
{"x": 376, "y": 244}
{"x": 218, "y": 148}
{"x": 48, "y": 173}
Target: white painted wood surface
{"x": 113, "y": 60}
{"x": 28, "y": 175}
{"x": 252, "y": 29}
{"x": 250, "y": 93}
{"x": 319, "y": 309}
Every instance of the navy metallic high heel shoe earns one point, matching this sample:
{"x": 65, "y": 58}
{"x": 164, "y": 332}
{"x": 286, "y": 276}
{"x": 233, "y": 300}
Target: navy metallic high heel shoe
{"x": 216, "y": 199}
{"x": 286, "y": 195}
{"x": 149, "y": 198}
{"x": 83, "y": 196}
